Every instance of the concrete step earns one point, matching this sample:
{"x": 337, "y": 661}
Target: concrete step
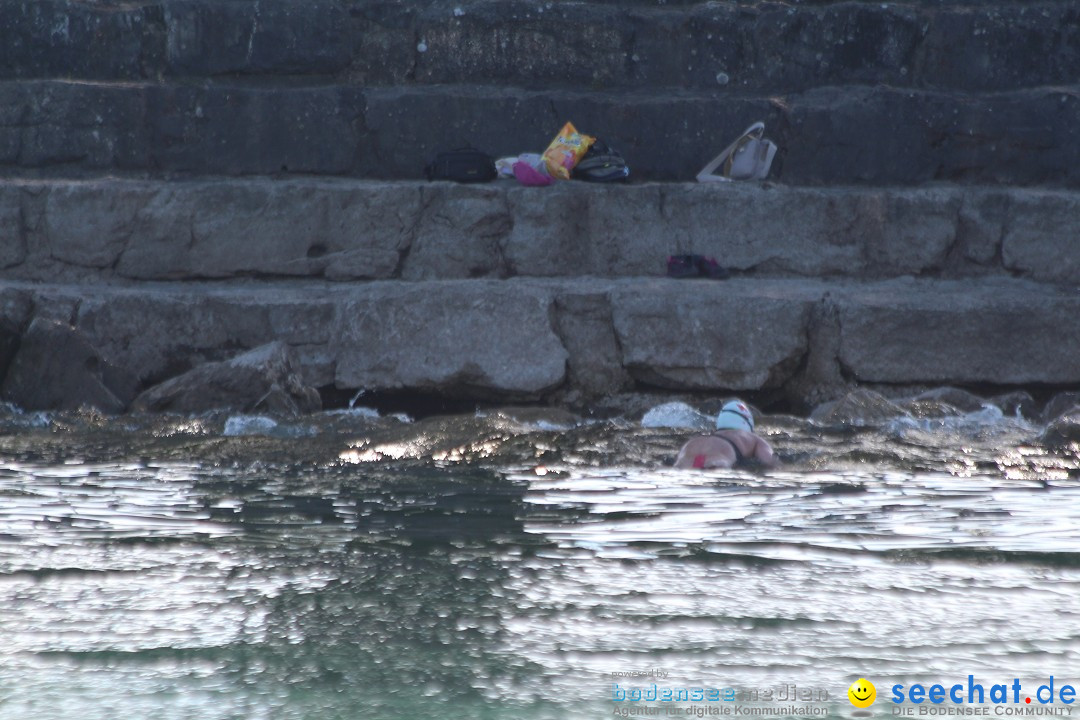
{"x": 111, "y": 231}
{"x": 721, "y": 47}
{"x": 827, "y": 136}
{"x": 581, "y": 337}
{"x": 759, "y": 47}
{"x": 844, "y": 272}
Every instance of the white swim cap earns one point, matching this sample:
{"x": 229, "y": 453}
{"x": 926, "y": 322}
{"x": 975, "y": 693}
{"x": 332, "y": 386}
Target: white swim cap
{"x": 735, "y": 416}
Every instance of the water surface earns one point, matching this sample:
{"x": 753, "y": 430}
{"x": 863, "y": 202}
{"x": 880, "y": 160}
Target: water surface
{"x": 482, "y": 566}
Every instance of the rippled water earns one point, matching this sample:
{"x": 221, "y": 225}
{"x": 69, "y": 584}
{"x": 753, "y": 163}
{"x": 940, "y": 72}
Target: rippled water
{"x": 489, "y": 566}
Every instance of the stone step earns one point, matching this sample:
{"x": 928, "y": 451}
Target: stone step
{"x": 535, "y": 339}
{"x": 765, "y": 47}
{"x": 827, "y": 136}
{"x": 718, "y": 47}
{"x": 111, "y": 231}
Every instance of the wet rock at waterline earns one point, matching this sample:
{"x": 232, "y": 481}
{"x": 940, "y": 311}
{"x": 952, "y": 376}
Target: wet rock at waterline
{"x": 1065, "y": 430}
{"x": 1016, "y": 403}
{"x": 544, "y": 418}
{"x": 265, "y": 379}
{"x": 1059, "y": 405}
{"x": 676, "y": 414}
{"x": 57, "y": 368}
{"x": 521, "y": 340}
{"x": 962, "y": 400}
{"x": 9, "y": 344}
{"x": 858, "y": 408}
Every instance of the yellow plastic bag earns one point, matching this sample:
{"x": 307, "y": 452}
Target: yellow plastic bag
{"x": 565, "y": 150}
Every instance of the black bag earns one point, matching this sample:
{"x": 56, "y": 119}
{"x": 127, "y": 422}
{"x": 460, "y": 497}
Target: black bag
{"x": 601, "y": 164}
{"x": 464, "y": 165}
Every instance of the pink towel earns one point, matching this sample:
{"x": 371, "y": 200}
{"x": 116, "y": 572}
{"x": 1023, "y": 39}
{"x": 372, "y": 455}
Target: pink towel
{"x": 526, "y": 175}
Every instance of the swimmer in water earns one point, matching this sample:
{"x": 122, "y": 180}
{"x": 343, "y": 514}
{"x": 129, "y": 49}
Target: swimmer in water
{"x": 733, "y": 443}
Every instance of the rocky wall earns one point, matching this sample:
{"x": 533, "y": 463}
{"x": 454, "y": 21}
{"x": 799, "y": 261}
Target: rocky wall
{"x": 128, "y": 231}
{"x": 536, "y": 339}
{"x": 853, "y": 92}
{"x": 827, "y": 136}
{"x": 770, "y": 47}
{"x": 219, "y": 198}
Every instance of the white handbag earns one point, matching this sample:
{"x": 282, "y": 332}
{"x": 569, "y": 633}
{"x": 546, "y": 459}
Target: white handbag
{"x": 748, "y": 158}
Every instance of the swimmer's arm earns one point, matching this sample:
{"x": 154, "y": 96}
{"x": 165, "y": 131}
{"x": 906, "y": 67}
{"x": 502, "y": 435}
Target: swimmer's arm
{"x": 764, "y": 454}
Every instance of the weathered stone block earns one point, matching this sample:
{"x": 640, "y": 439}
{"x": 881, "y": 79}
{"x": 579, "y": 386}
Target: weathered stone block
{"x": 1001, "y": 46}
{"x": 160, "y": 334}
{"x": 842, "y": 43}
{"x": 981, "y": 220}
{"x": 996, "y": 331}
{"x": 907, "y": 233}
{"x": 584, "y": 323}
{"x": 92, "y": 230}
{"x": 764, "y": 47}
{"x": 401, "y": 138}
{"x": 73, "y": 125}
{"x": 709, "y": 335}
{"x": 755, "y": 227}
{"x": 70, "y": 39}
{"x": 245, "y": 130}
{"x": 12, "y": 237}
{"x": 267, "y": 228}
{"x": 384, "y": 44}
{"x": 265, "y": 379}
{"x": 549, "y": 231}
{"x": 827, "y": 136}
{"x": 206, "y": 38}
{"x": 558, "y": 44}
{"x": 836, "y": 135}
{"x": 626, "y": 234}
{"x": 756, "y": 47}
{"x": 217, "y": 229}
{"x": 89, "y": 224}
{"x": 705, "y": 47}
{"x": 460, "y": 233}
{"x": 576, "y": 337}
{"x": 478, "y": 337}
{"x": 367, "y": 229}
{"x": 57, "y": 368}
{"x": 160, "y": 245}
{"x": 1040, "y": 239}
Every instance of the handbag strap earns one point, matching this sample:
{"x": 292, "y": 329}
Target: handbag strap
{"x": 754, "y": 132}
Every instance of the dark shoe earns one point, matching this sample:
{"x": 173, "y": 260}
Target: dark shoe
{"x": 682, "y": 266}
{"x": 709, "y": 268}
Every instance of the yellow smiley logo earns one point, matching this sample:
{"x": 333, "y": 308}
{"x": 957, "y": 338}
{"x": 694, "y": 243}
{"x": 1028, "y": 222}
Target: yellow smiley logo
{"x": 862, "y": 693}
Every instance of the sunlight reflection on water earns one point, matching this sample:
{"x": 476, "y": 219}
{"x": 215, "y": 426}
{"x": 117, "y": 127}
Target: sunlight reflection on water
{"x": 508, "y": 576}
